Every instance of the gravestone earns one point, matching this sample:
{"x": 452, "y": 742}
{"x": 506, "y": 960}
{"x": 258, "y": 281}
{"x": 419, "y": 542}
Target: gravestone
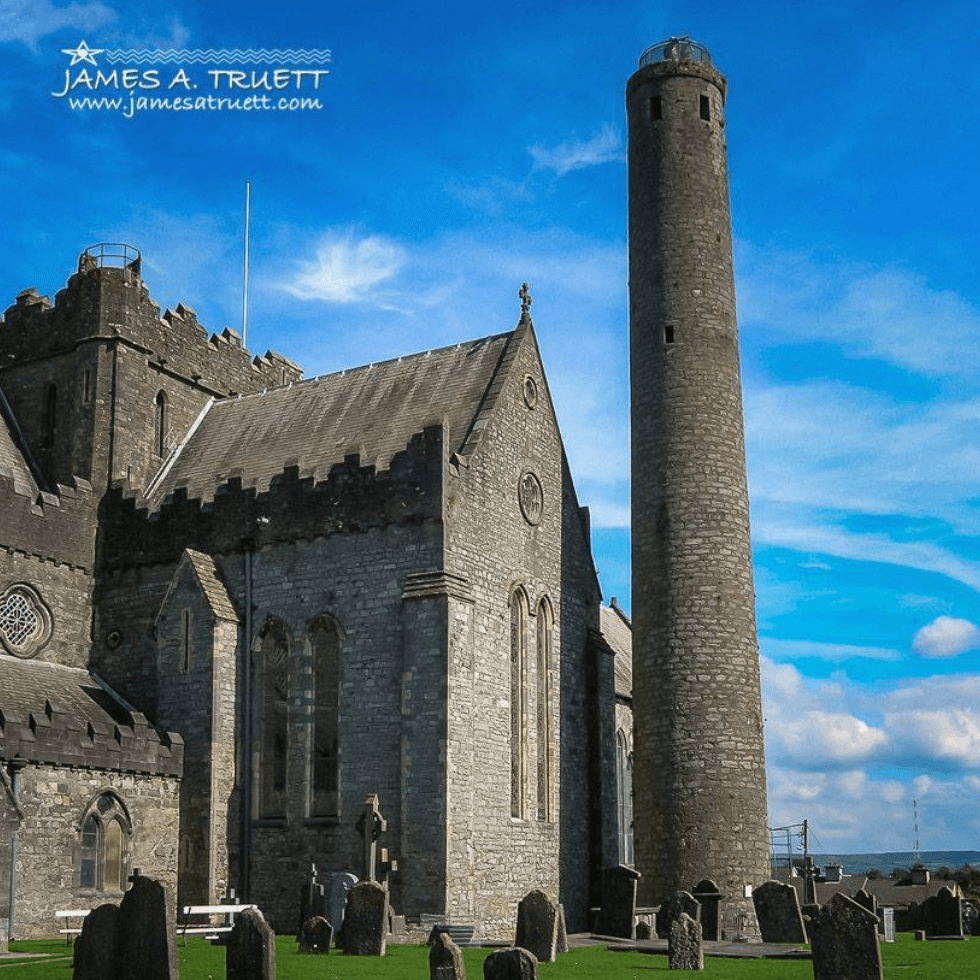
{"x": 643, "y": 930}
{"x": 537, "y": 926}
{"x": 777, "y": 909}
{"x": 684, "y": 951}
{"x": 366, "y": 922}
{"x": 251, "y": 948}
{"x": 315, "y": 936}
{"x": 145, "y": 932}
{"x": 340, "y": 886}
{"x": 671, "y": 908}
{"x": 844, "y": 940}
{"x": 95, "y": 948}
{"x": 616, "y": 917}
{"x": 512, "y": 963}
{"x": 445, "y": 958}
{"x": 377, "y": 865}
{"x": 562, "y": 944}
{"x": 941, "y": 915}
{"x": 710, "y": 899}
{"x": 312, "y": 899}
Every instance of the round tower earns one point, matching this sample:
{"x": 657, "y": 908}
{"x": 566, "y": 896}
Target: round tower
{"x": 699, "y": 767}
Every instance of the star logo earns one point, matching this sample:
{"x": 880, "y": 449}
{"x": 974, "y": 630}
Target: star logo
{"x": 82, "y": 53}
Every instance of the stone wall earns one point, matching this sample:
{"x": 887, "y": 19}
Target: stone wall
{"x": 497, "y": 547}
{"x": 54, "y": 801}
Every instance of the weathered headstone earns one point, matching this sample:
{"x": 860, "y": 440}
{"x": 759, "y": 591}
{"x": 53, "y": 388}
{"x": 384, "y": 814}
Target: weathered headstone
{"x": 512, "y": 963}
{"x": 941, "y": 915}
{"x": 643, "y": 930}
{"x": 671, "y": 908}
{"x": 616, "y": 917}
{"x": 95, "y": 948}
{"x": 340, "y": 886}
{"x": 146, "y": 932}
{"x": 684, "y": 951}
{"x": 537, "y": 926}
{"x": 366, "y": 922}
{"x": 710, "y": 899}
{"x": 562, "y": 944}
{"x": 777, "y": 908}
{"x": 844, "y": 940}
{"x": 315, "y": 936}
{"x": 251, "y": 949}
{"x": 312, "y": 899}
{"x": 445, "y": 958}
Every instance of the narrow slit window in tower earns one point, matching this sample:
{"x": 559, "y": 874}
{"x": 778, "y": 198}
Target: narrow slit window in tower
{"x": 668, "y": 333}
{"x": 656, "y": 108}
{"x": 705, "y": 108}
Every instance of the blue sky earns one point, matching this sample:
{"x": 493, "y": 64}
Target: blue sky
{"x": 460, "y": 150}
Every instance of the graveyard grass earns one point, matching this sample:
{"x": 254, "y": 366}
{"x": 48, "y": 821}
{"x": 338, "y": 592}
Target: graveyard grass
{"x": 903, "y": 960}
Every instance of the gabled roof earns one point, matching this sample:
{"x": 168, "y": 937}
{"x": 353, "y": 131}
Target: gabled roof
{"x": 67, "y": 716}
{"x": 372, "y": 411}
{"x": 617, "y": 629}
{"x": 209, "y": 580}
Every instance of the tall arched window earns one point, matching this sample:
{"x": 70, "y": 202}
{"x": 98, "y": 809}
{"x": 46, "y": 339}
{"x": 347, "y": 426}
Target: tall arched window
{"x": 518, "y": 704}
{"x": 325, "y": 755}
{"x": 272, "y": 717}
{"x": 160, "y": 424}
{"x": 103, "y": 845}
{"x": 545, "y": 631}
{"x": 624, "y": 798}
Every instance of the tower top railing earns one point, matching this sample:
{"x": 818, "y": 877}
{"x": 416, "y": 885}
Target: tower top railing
{"x": 112, "y": 254}
{"x": 675, "y": 49}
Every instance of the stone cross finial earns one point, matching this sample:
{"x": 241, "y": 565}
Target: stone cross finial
{"x": 525, "y": 295}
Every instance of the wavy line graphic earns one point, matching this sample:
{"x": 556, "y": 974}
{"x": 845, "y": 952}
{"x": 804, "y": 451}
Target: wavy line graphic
{"x": 219, "y": 56}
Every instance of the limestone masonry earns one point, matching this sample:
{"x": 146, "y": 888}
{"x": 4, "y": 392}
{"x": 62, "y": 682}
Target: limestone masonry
{"x": 244, "y": 614}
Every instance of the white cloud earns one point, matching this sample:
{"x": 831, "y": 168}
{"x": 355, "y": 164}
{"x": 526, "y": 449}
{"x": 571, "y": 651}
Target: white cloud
{"x": 946, "y": 636}
{"x": 605, "y": 147}
{"x": 29, "y": 22}
{"x": 833, "y": 652}
{"x": 347, "y": 269}
{"x": 949, "y": 737}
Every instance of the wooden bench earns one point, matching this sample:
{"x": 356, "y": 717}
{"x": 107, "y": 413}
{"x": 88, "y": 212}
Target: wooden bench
{"x": 212, "y": 932}
{"x": 71, "y": 930}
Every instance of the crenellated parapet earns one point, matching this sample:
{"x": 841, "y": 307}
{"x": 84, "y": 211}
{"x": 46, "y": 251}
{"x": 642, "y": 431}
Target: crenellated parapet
{"x": 351, "y": 499}
{"x": 108, "y": 302}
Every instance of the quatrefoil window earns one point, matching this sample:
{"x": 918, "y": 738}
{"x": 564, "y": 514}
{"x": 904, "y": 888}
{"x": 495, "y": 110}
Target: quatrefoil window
{"x": 25, "y": 621}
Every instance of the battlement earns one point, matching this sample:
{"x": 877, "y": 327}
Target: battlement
{"x": 106, "y": 299}
{"x": 297, "y": 505}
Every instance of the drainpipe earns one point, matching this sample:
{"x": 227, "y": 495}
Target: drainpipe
{"x": 246, "y": 769}
{"x": 14, "y": 769}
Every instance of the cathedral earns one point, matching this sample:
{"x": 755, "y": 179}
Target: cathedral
{"x": 236, "y": 604}
{"x": 237, "y": 607}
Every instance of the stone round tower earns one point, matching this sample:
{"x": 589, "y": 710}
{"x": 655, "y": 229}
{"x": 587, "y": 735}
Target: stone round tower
{"x": 699, "y": 766}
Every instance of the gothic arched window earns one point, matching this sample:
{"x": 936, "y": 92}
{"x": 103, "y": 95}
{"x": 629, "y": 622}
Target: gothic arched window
{"x": 545, "y": 640}
{"x": 324, "y": 751}
{"x": 160, "y": 424}
{"x": 272, "y": 717}
{"x": 624, "y": 798}
{"x": 518, "y": 704}
{"x": 103, "y": 845}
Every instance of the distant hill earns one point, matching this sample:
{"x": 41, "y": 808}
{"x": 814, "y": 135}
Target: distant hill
{"x": 855, "y": 864}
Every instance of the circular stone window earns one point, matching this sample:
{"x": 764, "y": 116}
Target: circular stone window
{"x": 25, "y": 621}
{"x": 530, "y": 389}
{"x": 531, "y": 497}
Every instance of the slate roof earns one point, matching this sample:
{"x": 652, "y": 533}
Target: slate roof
{"x": 13, "y": 465}
{"x": 372, "y": 410}
{"x": 616, "y": 627}
{"x": 65, "y": 716}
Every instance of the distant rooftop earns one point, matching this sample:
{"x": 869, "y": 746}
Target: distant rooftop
{"x": 675, "y": 49}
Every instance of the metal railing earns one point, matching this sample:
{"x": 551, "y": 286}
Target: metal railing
{"x": 112, "y": 254}
{"x": 675, "y": 49}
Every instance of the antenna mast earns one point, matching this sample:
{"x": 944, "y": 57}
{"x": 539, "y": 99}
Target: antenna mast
{"x": 248, "y": 208}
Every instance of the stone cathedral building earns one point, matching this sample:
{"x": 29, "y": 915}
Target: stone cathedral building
{"x": 235, "y": 603}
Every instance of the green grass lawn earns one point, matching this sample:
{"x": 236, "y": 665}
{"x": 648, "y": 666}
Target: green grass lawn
{"x": 199, "y": 960}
